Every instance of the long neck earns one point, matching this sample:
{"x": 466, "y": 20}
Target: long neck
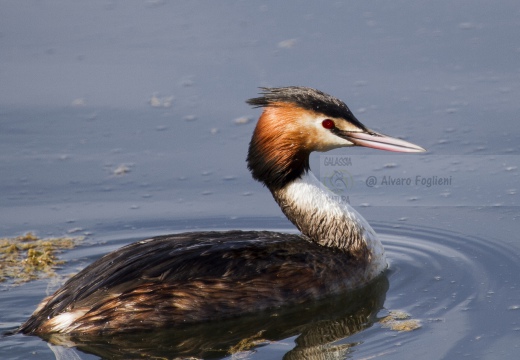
{"x": 279, "y": 158}
{"x": 318, "y": 214}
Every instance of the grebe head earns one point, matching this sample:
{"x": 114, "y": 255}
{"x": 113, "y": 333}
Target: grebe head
{"x": 298, "y": 120}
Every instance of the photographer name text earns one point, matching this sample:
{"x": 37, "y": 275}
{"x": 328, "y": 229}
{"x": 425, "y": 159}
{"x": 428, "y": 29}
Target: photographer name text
{"x": 418, "y": 180}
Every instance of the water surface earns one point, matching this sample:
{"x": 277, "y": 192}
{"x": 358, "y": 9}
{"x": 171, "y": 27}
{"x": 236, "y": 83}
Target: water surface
{"x": 125, "y": 120}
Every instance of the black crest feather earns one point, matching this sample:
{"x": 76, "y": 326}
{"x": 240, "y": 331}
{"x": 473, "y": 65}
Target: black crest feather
{"x": 306, "y": 98}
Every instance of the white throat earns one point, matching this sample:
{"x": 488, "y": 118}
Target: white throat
{"x": 318, "y": 214}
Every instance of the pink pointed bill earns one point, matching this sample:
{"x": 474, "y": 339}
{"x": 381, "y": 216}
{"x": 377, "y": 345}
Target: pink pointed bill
{"x": 382, "y": 142}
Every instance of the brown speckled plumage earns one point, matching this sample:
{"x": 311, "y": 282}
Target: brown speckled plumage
{"x": 191, "y": 277}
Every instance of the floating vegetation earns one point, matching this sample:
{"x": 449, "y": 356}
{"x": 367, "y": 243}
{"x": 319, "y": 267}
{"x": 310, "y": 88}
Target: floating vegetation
{"x": 400, "y": 321}
{"x": 27, "y": 257}
{"x": 248, "y": 343}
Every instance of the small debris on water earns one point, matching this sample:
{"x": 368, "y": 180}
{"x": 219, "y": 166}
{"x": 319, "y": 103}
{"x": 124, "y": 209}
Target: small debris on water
{"x": 400, "y": 321}
{"x": 80, "y": 102}
{"x": 121, "y": 170}
{"x": 287, "y": 44}
{"x": 242, "y": 120}
{"x": 161, "y": 101}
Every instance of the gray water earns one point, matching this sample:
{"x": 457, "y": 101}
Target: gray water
{"x": 124, "y": 120}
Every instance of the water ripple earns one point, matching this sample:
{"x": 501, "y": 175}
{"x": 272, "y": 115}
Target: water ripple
{"x": 461, "y": 288}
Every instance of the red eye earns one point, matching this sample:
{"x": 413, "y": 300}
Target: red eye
{"x": 328, "y": 124}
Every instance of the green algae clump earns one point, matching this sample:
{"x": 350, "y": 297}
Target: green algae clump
{"x": 27, "y": 257}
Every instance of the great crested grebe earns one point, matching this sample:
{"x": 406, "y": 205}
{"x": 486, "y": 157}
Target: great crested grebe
{"x": 193, "y": 277}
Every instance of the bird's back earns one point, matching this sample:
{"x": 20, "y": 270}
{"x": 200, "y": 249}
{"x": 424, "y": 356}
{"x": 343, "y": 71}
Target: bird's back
{"x": 192, "y": 277}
